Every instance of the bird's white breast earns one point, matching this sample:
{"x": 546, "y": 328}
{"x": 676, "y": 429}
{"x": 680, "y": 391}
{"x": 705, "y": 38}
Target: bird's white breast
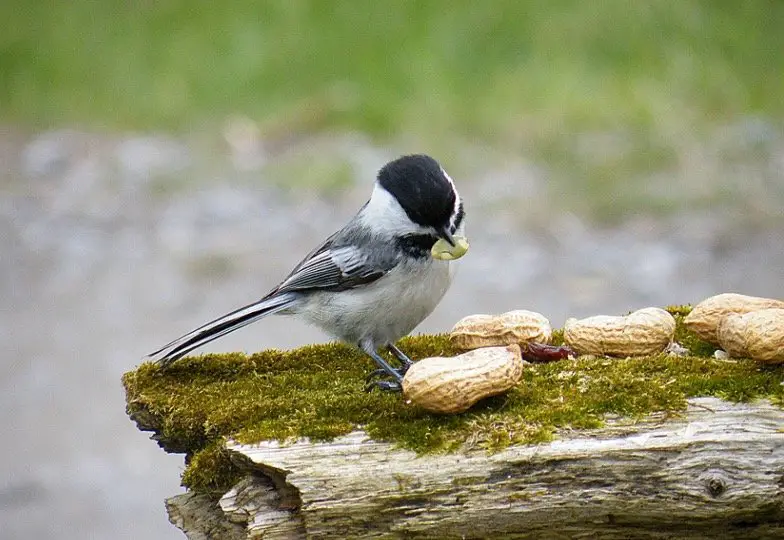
{"x": 384, "y": 310}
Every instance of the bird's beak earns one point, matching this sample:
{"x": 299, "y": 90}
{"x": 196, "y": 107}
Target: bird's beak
{"x": 447, "y": 236}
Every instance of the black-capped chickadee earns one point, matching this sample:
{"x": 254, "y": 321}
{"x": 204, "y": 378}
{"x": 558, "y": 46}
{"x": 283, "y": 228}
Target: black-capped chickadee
{"x": 374, "y": 280}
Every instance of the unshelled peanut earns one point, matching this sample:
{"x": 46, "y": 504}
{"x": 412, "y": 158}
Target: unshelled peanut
{"x": 705, "y": 317}
{"x": 757, "y": 334}
{"x": 519, "y": 326}
{"x": 646, "y": 331}
{"x": 453, "y": 385}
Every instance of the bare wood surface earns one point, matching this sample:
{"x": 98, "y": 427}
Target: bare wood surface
{"x": 715, "y": 472}
{"x": 201, "y": 519}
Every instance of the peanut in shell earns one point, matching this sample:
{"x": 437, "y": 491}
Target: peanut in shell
{"x": 705, "y": 317}
{"x": 643, "y": 332}
{"x": 757, "y": 334}
{"x": 519, "y": 326}
{"x": 452, "y": 385}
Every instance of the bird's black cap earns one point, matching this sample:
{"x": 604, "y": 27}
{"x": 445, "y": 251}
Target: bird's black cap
{"x": 423, "y": 190}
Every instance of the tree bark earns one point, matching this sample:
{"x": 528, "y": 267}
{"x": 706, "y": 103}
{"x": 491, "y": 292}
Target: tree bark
{"x": 716, "y": 471}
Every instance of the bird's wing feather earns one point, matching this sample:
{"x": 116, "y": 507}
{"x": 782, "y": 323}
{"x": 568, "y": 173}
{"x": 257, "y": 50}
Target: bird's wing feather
{"x": 333, "y": 268}
{"x": 328, "y": 267}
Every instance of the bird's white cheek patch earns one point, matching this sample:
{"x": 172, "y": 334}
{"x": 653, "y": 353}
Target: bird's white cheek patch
{"x": 442, "y": 251}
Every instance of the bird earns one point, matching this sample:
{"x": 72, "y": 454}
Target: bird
{"x": 373, "y": 281}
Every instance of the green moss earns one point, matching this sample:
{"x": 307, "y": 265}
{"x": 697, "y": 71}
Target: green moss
{"x": 687, "y": 338}
{"x": 317, "y": 392}
{"x": 210, "y": 470}
{"x": 558, "y": 337}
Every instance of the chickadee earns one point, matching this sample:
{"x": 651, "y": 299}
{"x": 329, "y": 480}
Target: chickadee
{"x": 374, "y": 280}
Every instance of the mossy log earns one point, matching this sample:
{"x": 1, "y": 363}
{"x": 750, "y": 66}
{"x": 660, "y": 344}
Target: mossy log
{"x": 661, "y": 446}
{"x": 716, "y": 471}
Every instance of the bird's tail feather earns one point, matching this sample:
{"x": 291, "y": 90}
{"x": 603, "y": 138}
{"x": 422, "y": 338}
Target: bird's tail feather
{"x": 220, "y": 327}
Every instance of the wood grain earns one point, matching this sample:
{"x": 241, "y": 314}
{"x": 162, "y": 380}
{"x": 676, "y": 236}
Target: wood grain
{"x": 717, "y": 471}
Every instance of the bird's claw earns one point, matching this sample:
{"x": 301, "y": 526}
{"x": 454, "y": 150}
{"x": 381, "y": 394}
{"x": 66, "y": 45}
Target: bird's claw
{"x": 384, "y": 386}
{"x": 399, "y": 374}
{"x": 391, "y": 378}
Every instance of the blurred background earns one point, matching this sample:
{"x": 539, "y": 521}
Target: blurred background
{"x": 164, "y": 162}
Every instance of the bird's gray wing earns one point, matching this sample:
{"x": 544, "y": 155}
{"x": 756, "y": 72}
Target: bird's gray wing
{"x": 334, "y": 268}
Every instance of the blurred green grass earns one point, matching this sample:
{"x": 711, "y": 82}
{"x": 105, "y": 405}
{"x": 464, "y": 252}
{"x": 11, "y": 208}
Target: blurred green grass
{"x": 529, "y": 77}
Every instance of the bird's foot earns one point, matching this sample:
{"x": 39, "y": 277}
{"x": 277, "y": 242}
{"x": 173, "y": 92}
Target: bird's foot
{"x": 384, "y": 386}
{"x": 394, "y": 385}
{"x": 397, "y": 373}
{"x": 385, "y": 370}
{"x": 404, "y": 360}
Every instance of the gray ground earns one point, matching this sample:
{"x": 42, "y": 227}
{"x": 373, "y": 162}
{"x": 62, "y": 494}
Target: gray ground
{"x": 107, "y": 253}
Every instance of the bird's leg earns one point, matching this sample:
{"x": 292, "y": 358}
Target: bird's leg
{"x": 405, "y": 360}
{"x": 400, "y": 355}
{"x": 385, "y": 369}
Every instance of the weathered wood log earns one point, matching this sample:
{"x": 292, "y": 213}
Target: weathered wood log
{"x": 715, "y": 472}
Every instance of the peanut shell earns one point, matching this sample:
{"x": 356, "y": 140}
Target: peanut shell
{"x": 646, "y": 331}
{"x": 519, "y": 326}
{"x": 705, "y": 317}
{"x": 453, "y": 385}
{"x": 758, "y": 335}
